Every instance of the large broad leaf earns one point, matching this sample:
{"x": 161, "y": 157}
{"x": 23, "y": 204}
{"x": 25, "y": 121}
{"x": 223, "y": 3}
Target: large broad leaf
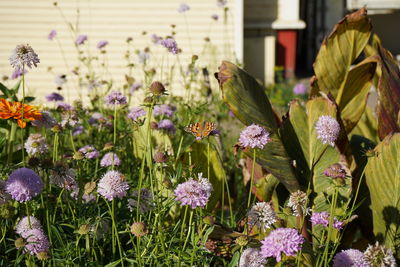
{"x": 248, "y": 101}
{"x": 383, "y": 180}
{"x": 367, "y": 126}
{"x": 312, "y": 156}
{"x": 338, "y": 51}
{"x": 389, "y": 94}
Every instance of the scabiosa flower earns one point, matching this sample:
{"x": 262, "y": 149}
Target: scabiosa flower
{"x": 379, "y": 256}
{"x": 81, "y": 39}
{"x": 335, "y": 171}
{"x": 78, "y": 130}
{"x": 112, "y": 185}
{"x": 323, "y": 218}
{"x": 134, "y": 87}
{"x": 299, "y": 89}
{"x": 166, "y": 125}
{"x": 51, "y": 35}
{"x": 60, "y": 79}
{"x": 221, "y": 3}
{"x": 46, "y": 121}
{"x": 115, "y": 98}
{"x": 69, "y": 118}
{"x": 183, "y": 8}
{"x": 194, "y": 193}
{"x": 298, "y": 200}
{"x": 23, "y": 55}
{"x": 23, "y": 184}
{"x": 36, "y": 241}
{"x": 164, "y": 109}
{"x": 96, "y": 119}
{"x": 328, "y": 129}
{"x": 251, "y": 257}
{"x": 254, "y": 136}
{"x": 281, "y": 240}
{"x": 23, "y": 225}
{"x": 135, "y": 113}
{"x": 54, "y": 97}
{"x": 17, "y": 73}
{"x": 262, "y": 215}
{"x": 170, "y": 44}
{"x": 146, "y": 203}
{"x": 102, "y": 44}
{"x": 64, "y": 106}
{"x": 143, "y": 57}
{"x": 63, "y": 176}
{"x": 108, "y": 160}
{"x": 36, "y": 144}
{"x": 155, "y": 38}
{"x": 89, "y": 152}
{"x": 350, "y": 258}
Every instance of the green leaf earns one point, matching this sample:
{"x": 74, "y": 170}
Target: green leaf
{"x": 383, "y": 180}
{"x": 248, "y": 101}
{"x": 367, "y": 126}
{"x": 338, "y": 51}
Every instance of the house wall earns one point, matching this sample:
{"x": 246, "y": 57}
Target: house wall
{"x": 31, "y": 21}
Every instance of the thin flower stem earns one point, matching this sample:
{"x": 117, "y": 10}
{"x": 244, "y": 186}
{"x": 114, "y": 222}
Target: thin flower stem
{"x": 71, "y": 139}
{"x": 11, "y": 139}
{"x": 22, "y": 115}
{"x": 189, "y": 230}
{"x": 252, "y": 177}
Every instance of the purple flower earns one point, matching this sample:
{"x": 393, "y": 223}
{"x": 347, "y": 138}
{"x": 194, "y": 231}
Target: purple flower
{"x": 281, "y": 240}
{"x": 36, "y": 144}
{"x": 221, "y": 3}
{"x": 23, "y": 184}
{"x": 102, "y": 44}
{"x": 51, "y": 35}
{"x": 64, "y": 106}
{"x": 135, "y": 87}
{"x": 155, "y": 38}
{"x": 323, "y": 218}
{"x": 23, "y": 225}
{"x": 78, "y": 130}
{"x": 46, "y": 121}
{"x": 112, "y": 185}
{"x": 17, "y": 73}
{"x": 143, "y": 57}
{"x": 183, "y": 8}
{"x": 167, "y": 125}
{"x": 350, "y": 258}
{"x": 194, "y": 193}
{"x": 69, "y": 118}
{"x": 89, "y": 152}
{"x": 299, "y": 89}
{"x": 36, "y": 241}
{"x": 136, "y": 113}
{"x": 262, "y": 215}
{"x": 254, "y": 136}
{"x": 96, "y": 119}
{"x": 380, "y": 255}
{"x": 108, "y": 160}
{"x": 170, "y": 44}
{"x": 164, "y": 109}
{"x": 23, "y": 55}
{"x": 115, "y": 98}
{"x": 335, "y": 171}
{"x": 81, "y": 39}
{"x": 328, "y": 129}
{"x": 251, "y": 257}
{"x": 214, "y": 17}
{"x": 54, "y": 97}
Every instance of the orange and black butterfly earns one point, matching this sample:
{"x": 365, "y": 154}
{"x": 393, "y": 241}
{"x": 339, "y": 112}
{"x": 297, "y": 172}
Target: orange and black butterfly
{"x": 200, "y": 130}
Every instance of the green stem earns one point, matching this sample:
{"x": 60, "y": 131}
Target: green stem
{"x": 251, "y": 178}
{"x": 11, "y": 139}
{"x": 22, "y": 117}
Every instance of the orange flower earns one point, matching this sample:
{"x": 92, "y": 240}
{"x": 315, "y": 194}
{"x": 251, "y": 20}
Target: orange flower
{"x": 14, "y": 110}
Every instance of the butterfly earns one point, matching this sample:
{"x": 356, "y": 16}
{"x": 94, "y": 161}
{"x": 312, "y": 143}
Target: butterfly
{"x": 200, "y": 130}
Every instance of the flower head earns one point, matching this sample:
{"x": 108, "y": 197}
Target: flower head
{"x": 78, "y": 130}
{"x": 166, "y": 125}
{"x": 299, "y": 89}
{"x": 379, "y": 255}
{"x": 51, "y": 35}
{"x": 335, "y": 171}
{"x": 23, "y": 55}
{"x": 109, "y": 159}
{"x": 89, "y": 152}
{"x": 183, "y": 8}
{"x": 23, "y": 184}
{"x": 350, "y": 258}
{"x": 60, "y": 79}
{"x": 221, "y": 3}
{"x": 36, "y": 144}
{"x": 63, "y": 176}
{"x": 262, "y": 215}
{"x": 102, "y": 44}
{"x": 135, "y": 87}
{"x": 112, "y": 185}
{"x": 328, "y": 129}
{"x": 115, "y": 98}
{"x": 135, "y": 113}
{"x": 155, "y": 38}
{"x": 81, "y": 39}
{"x": 323, "y": 218}
{"x": 164, "y": 109}
{"x": 54, "y": 97}
{"x": 46, "y": 121}
{"x": 170, "y": 44}
{"x": 14, "y": 110}
{"x": 69, "y": 118}
{"x": 254, "y": 136}
{"x": 23, "y": 225}
{"x": 64, "y": 106}
{"x": 36, "y": 241}
{"x": 251, "y": 257}
{"x": 194, "y": 193}
{"x": 298, "y": 200}
{"x": 281, "y": 240}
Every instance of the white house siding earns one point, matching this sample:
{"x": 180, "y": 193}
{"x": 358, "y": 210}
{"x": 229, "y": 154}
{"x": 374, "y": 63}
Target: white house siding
{"x": 31, "y": 21}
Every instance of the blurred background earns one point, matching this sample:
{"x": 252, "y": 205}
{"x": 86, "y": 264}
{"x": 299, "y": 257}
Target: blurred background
{"x": 274, "y": 40}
